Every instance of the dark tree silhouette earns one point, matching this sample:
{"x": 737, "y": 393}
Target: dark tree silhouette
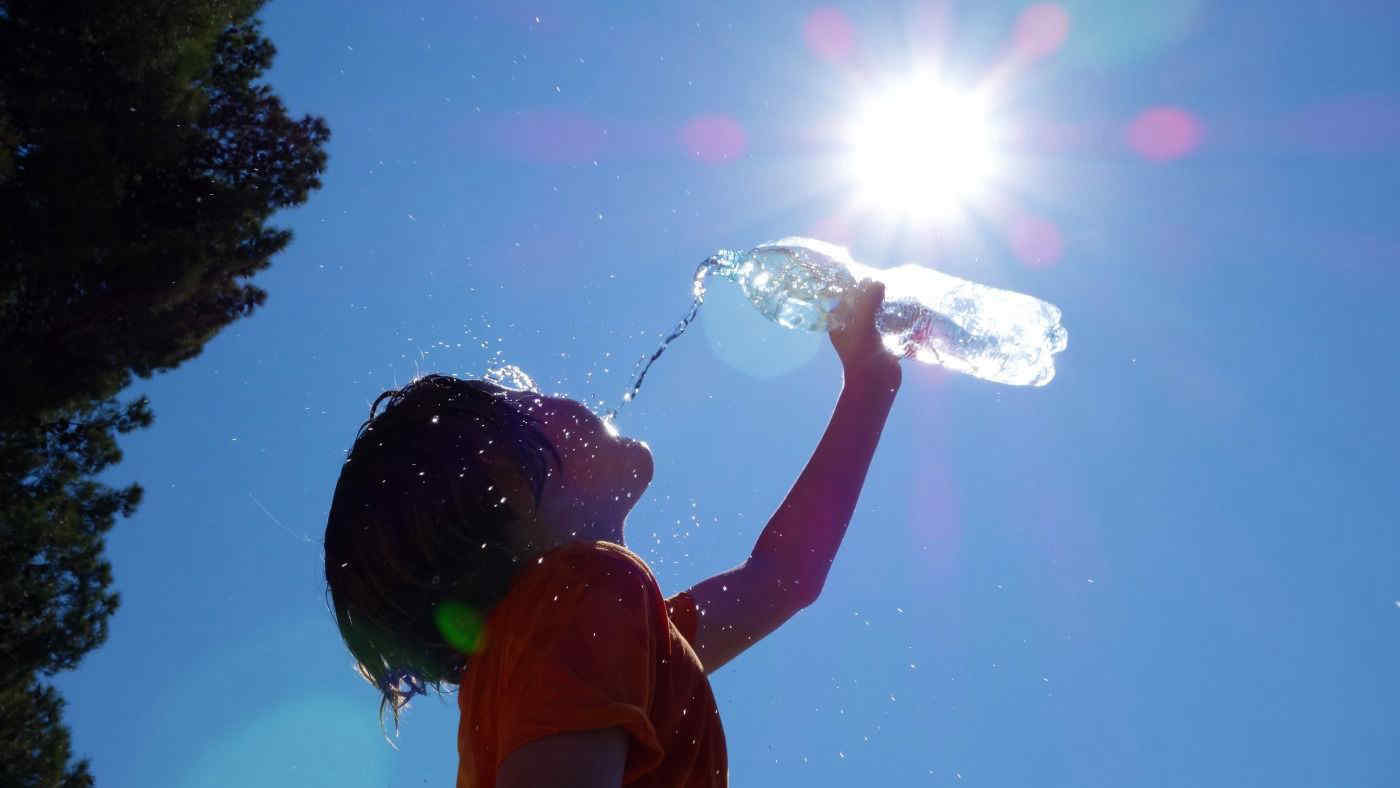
{"x": 139, "y": 162}
{"x": 35, "y": 747}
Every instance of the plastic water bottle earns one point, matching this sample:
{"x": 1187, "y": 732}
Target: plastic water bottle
{"x": 988, "y": 333}
{"x": 982, "y": 331}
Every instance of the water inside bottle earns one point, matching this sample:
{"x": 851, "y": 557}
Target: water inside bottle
{"x": 797, "y": 286}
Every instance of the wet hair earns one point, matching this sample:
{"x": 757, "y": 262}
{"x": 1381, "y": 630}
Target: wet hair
{"x": 418, "y": 547}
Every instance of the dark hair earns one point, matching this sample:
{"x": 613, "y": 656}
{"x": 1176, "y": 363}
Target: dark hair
{"x": 417, "y": 540}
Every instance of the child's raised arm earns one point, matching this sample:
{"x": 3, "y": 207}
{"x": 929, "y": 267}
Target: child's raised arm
{"x": 789, "y": 563}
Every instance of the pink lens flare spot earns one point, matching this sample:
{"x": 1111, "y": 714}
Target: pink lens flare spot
{"x": 829, "y": 34}
{"x": 1036, "y": 241}
{"x": 714, "y": 138}
{"x": 1164, "y": 133}
{"x": 834, "y": 228}
{"x": 1041, "y": 29}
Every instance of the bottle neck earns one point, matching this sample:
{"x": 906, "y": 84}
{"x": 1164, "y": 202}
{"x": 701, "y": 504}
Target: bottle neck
{"x": 723, "y": 264}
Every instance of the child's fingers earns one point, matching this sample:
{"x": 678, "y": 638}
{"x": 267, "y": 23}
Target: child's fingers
{"x": 857, "y": 310}
{"x": 872, "y": 293}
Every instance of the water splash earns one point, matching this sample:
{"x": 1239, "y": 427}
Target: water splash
{"x": 511, "y": 377}
{"x": 697, "y": 289}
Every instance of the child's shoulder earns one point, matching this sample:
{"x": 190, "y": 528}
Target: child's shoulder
{"x": 587, "y": 576}
{"x": 603, "y": 560}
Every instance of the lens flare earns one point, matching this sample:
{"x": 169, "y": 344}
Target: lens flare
{"x": 1041, "y": 29}
{"x": 829, "y": 34}
{"x": 1165, "y": 133}
{"x": 714, "y": 138}
{"x": 1036, "y": 241}
{"x": 459, "y": 625}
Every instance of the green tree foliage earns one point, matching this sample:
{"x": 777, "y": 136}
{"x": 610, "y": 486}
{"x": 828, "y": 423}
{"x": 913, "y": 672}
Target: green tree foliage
{"x": 54, "y": 597}
{"x": 35, "y": 747}
{"x": 140, "y": 160}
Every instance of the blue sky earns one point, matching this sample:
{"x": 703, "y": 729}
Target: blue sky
{"x": 1174, "y": 565}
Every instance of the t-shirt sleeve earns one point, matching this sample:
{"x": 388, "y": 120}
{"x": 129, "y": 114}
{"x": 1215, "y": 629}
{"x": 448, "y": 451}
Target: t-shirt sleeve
{"x": 682, "y": 610}
{"x": 589, "y": 662}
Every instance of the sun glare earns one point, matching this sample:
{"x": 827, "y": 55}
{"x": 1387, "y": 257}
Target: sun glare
{"x": 920, "y": 151}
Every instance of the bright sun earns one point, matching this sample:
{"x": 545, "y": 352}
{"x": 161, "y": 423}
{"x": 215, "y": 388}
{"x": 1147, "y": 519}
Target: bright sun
{"x": 920, "y": 151}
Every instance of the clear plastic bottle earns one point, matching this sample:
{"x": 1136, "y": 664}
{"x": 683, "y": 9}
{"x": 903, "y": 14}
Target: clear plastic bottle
{"x": 982, "y": 331}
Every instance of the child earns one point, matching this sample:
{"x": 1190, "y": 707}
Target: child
{"x": 475, "y": 538}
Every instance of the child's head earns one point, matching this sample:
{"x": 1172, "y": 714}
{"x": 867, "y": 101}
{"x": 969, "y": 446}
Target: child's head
{"x": 421, "y": 523}
{"x": 442, "y": 495}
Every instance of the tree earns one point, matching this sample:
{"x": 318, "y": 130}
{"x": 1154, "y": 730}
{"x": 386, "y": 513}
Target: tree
{"x": 140, "y": 160}
{"x": 34, "y": 744}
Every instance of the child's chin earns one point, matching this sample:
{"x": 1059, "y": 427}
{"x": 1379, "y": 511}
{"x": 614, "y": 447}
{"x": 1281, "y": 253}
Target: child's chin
{"x": 642, "y": 468}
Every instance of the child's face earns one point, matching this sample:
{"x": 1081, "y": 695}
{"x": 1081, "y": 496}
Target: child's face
{"x": 603, "y": 474}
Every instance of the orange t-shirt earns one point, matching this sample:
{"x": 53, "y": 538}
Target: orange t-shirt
{"x": 584, "y": 640}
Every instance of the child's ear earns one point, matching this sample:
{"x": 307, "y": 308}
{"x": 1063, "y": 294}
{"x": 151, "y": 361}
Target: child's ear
{"x": 510, "y": 487}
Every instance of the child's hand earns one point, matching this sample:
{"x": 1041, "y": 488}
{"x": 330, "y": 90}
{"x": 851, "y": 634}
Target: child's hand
{"x": 858, "y": 343}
